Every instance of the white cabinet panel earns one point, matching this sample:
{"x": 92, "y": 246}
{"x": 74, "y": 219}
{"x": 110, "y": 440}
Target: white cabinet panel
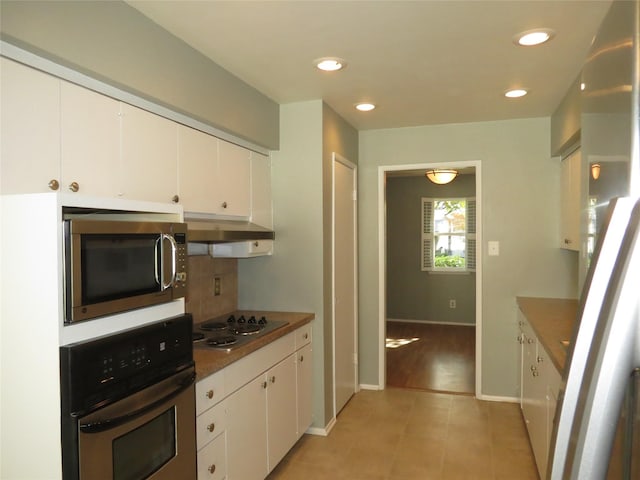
{"x": 90, "y": 133}
{"x": 233, "y": 181}
{"x": 570, "y": 195}
{"x": 282, "y": 425}
{"x": 30, "y": 129}
{"x": 261, "y": 206}
{"x": 149, "y": 155}
{"x": 197, "y": 170}
{"x": 212, "y": 461}
{"x": 210, "y": 424}
{"x": 247, "y": 432}
{"x": 210, "y": 391}
{"x": 304, "y": 385}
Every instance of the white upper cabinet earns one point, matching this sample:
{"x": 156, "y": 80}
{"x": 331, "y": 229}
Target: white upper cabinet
{"x": 570, "y": 195}
{"x": 233, "y": 181}
{"x": 30, "y": 126}
{"x": 261, "y": 211}
{"x": 90, "y": 133}
{"x": 149, "y": 156}
{"x": 197, "y": 170}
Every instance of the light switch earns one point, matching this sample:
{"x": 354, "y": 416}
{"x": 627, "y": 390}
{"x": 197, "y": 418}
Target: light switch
{"x": 494, "y": 248}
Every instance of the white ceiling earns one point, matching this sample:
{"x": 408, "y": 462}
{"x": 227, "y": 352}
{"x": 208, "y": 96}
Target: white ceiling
{"x": 422, "y": 62}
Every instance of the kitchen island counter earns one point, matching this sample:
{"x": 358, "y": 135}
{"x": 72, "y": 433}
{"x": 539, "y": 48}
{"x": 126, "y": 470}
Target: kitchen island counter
{"x": 552, "y": 320}
{"x": 210, "y": 360}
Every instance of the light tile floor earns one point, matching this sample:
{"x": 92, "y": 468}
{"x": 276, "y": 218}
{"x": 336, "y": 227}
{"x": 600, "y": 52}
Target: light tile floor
{"x": 408, "y": 435}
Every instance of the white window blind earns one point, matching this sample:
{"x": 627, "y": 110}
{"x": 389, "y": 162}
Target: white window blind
{"x": 429, "y": 236}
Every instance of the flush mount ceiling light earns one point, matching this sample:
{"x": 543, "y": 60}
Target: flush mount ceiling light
{"x": 330, "y": 64}
{"x": 441, "y": 176}
{"x": 516, "y": 93}
{"x": 534, "y": 37}
{"x": 595, "y": 171}
{"x": 365, "y": 107}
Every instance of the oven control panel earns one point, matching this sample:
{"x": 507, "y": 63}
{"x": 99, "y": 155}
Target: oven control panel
{"x": 113, "y": 366}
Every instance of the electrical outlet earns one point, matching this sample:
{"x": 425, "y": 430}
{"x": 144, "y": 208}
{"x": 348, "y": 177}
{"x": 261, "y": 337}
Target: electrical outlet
{"x": 216, "y": 286}
{"x": 452, "y": 303}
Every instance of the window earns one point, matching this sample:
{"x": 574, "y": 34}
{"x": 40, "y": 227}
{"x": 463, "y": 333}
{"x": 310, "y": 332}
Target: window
{"x": 448, "y": 234}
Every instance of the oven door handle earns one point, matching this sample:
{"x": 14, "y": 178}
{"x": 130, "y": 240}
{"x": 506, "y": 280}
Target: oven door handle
{"x": 103, "y": 425}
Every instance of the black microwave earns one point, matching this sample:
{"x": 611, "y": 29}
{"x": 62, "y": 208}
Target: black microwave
{"x": 115, "y": 266}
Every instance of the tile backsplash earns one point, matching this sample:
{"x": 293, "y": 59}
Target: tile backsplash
{"x": 201, "y": 301}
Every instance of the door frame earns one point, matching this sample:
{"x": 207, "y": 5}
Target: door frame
{"x": 382, "y": 263}
{"x": 335, "y": 157}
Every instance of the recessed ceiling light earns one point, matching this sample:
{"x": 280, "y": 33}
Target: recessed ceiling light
{"x": 365, "y": 107}
{"x": 330, "y": 64}
{"x": 516, "y": 93}
{"x": 534, "y": 37}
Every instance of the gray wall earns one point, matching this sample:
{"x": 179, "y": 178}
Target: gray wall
{"x": 520, "y": 194}
{"x": 114, "y": 43}
{"x": 295, "y": 277}
{"x": 411, "y": 293}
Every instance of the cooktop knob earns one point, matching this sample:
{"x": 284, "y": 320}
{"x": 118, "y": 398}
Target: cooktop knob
{"x": 231, "y": 319}
{"x": 252, "y": 319}
{"x": 262, "y": 320}
{"x": 242, "y": 319}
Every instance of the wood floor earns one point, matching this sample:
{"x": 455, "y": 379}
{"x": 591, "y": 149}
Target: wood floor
{"x": 431, "y": 357}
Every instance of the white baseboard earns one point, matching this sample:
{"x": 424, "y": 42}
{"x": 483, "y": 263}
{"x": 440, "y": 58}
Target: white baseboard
{"x": 366, "y": 386}
{"x": 405, "y": 320}
{"x": 495, "y": 398}
{"x": 323, "y": 432}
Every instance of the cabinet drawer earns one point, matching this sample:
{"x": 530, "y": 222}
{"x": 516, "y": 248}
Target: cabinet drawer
{"x": 209, "y": 391}
{"x": 210, "y": 424}
{"x": 303, "y": 336}
{"x": 212, "y": 460}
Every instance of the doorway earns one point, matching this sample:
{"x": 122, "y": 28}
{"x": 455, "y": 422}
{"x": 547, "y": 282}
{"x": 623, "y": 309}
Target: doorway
{"x": 449, "y": 351}
{"x": 344, "y": 280}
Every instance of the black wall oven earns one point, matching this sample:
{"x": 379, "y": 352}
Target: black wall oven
{"x": 128, "y": 404}
{"x": 115, "y": 266}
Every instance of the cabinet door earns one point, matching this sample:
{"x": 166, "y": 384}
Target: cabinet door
{"x": 30, "y": 129}
{"x": 570, "y": 201}
{"x": 261, "y": 207}
{"x": 304, "y": 378}
{"x": 233, "y": 182}
{"x": 197, "y": 170}
{"x": 281, "y": 405}
{"x": 90, "y": 132}
{"x": 247, "y": 432}
{"x": 212, "y": 460}
{"x": 149, "y": 156}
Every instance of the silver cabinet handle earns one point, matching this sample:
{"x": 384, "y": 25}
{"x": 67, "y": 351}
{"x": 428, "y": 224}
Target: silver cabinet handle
{"x": 53, "y": 184}
{"x": 211, "y": 427}
{"x": 74, "y": 187}
{"x": 209, "y": 394}
{"x": 212, "y": 468}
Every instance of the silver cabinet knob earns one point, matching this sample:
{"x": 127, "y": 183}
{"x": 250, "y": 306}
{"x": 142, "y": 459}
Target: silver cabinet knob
{"x": 264, "y": 384}
{"x": 305, "y": 336}
{"x": 211, "y": 468}
{"x": 224, "y": 204}
{"x": 256, "y": 243}
{"x": 175, "y": 199}
{"x": 209, "y": 394}
{"x": 53, "y": 184}
{"x": 211, "y": 427}
{"x": 273, "y": 379}
{"x": 74, "y": 187}
{"x": 302, "y": 358}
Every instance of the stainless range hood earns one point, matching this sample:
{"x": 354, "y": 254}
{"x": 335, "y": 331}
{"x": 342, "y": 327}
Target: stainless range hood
{"x": 224, "y": 231}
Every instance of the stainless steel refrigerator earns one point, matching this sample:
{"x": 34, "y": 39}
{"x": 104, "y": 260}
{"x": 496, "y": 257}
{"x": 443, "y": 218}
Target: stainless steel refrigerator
{"x": 597, "y": 424}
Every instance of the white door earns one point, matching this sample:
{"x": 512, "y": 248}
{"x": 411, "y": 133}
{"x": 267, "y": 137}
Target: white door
{"x": 344, "y": 281}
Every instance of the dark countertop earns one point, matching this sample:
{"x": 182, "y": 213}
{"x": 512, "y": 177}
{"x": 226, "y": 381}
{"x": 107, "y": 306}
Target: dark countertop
{"x": 209, "y": 360}
{"x": 552, "y": 320}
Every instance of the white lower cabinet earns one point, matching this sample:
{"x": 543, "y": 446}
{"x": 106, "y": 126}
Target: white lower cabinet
{"x": 540, "y": 387}
{"x": 245, "y": 408}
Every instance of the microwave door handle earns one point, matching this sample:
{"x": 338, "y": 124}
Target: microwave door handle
{"x": 174, "y": 250}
